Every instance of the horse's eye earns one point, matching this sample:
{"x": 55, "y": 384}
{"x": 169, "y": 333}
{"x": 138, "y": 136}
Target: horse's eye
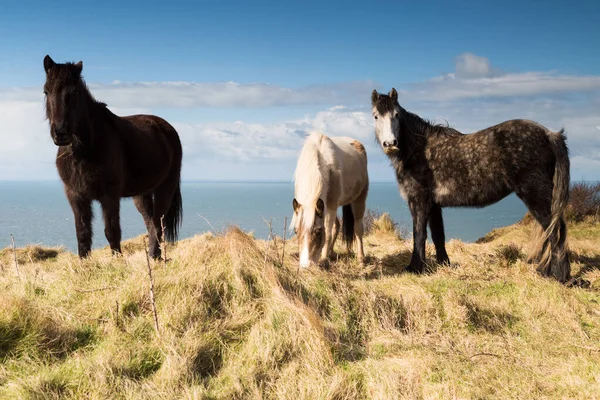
{"x": 375, "y": 116}
{"x": 45, "y": 93}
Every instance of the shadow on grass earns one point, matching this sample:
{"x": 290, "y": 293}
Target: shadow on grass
{"x": 589, "y": 264}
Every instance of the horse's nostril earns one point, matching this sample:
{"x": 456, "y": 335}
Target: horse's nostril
{"x": 395, "y": 143}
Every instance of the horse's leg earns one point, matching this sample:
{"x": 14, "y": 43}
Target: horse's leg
{"x": 112, "y": 226}
{"x": 163, "y": 195}
{"x": 538, "y": 203}
{"x": 420, "y": 213}
{"x": 436, "y": 224}
{"x": 358, "y": 210}
{"x": 330, "y": 218}
{"x": 145, "y": 205}
{"x": 336, "y": 231}
{"x": 83, "y": 214}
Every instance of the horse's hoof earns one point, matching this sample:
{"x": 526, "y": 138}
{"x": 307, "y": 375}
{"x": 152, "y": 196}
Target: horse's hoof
{"x": 84, "y": 254}
{"x": 415, "y": 269}
{"x": 444, "y": 261}
{"x": 324, "y": 263}
{"x": 578, "y": 282}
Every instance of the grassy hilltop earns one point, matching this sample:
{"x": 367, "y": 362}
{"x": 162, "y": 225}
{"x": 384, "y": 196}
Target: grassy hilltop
{"x": 236, "y": 322}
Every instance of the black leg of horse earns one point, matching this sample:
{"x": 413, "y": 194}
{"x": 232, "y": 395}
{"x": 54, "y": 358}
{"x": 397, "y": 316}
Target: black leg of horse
{"x": 162, "y": 201}
{"x": 83, "y": 214}
{"x": 420, "y": 211}
{"x": 436, "y": 224}
{"x": 112, "y": 225}
{"x": 145, "y": 206}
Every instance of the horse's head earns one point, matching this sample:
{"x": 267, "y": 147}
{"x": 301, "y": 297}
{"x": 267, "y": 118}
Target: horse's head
{"x": 309, "y": 226}
{"x": 387, "y": 113}
{"x": 65, "y": 100}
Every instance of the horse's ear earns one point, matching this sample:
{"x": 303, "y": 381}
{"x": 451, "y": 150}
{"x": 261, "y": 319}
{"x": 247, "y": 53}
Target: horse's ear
{"x": 374, "y": 96}
{"x": 78, "y": 67}
{"x": 48, "y": 63}
{"x": 394, "y": 94}
{"x": 296, "y": 205}
{"x": 320, "y": 208}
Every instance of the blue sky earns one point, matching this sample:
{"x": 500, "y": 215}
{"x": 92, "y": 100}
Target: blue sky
{"x": 297, "y": 66}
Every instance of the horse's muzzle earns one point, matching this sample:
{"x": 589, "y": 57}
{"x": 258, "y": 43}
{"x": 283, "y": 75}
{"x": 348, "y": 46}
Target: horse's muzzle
{"x": 389, "y": 150}
{"x": 61, "y": 138}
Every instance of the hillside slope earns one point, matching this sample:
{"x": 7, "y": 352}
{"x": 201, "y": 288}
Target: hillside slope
{"x": 235, "y": 322}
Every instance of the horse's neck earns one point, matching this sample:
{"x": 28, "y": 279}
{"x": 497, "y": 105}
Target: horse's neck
{"x": 313, "y": 183}
{"x": 90, "y": 131}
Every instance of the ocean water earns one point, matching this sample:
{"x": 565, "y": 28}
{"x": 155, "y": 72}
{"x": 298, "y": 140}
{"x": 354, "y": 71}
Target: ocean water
{"x": 38, "y": 212}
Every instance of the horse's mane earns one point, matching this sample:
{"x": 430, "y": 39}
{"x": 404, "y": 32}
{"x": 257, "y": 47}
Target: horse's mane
{"x": 424, "y": 127}
{"x": 89, "y": 94}
{"x": 68, "y": 72}
{"x": 309, "y": 181}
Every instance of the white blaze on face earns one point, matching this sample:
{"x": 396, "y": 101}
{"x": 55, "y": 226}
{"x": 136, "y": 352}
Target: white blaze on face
{"x": 385, "y": 126}
{"x": 304, "y": 256}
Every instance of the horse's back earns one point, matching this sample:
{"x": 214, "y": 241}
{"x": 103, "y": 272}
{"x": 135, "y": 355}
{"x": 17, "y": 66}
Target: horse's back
{"x": 351, "y": 151}
{"x": 495, "y": 158}
{"x": 351, "y": 162}
{"x": 152, "y": 152}
{"x": 342, "y": 153}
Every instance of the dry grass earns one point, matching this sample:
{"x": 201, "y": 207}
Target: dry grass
{"x": 237, "y": 323}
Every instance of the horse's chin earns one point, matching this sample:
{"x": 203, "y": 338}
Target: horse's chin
{"x": 391, "y": 150}
{"x": 62, "y": 143}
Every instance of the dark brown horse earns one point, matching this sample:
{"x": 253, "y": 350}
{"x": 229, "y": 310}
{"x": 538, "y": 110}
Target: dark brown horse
{"x": 437, "y": 166}
{"x": 104, "y": 157}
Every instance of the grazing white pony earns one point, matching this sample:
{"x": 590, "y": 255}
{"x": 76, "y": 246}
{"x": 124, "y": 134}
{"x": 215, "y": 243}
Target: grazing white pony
{"x": 331, "y": 172}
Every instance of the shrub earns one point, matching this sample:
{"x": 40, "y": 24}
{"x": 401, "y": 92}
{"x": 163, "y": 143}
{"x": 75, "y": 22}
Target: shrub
{"x": 374, "y": 221}
{"x": 584, "y": 202}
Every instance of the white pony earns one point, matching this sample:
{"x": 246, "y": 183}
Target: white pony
{"x": 331, "y": 172}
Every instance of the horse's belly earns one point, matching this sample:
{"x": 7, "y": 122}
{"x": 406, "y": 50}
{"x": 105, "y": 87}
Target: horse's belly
{"x": 142, "y": 176}
{"x": 352, "y": 191}
{"x": 472, "y": 196}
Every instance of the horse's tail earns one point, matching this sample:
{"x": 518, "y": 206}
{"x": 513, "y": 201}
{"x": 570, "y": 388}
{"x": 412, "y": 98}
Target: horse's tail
{"x": 174, "y": 216}
{"x": 562, "y": 174}
{"x": 557, "y": 231}
{"x": 348, "y": 225}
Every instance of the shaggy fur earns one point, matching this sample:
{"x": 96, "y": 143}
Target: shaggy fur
{"x": 104, "y": 157}
{"x": 330, "y": 172}
{"x": 437, "y": 166}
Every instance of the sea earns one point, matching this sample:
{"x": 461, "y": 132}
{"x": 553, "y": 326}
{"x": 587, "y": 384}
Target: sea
{"x": 38, "y": 212}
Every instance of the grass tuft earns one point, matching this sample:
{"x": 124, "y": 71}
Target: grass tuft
{"x": 238, "y": 323}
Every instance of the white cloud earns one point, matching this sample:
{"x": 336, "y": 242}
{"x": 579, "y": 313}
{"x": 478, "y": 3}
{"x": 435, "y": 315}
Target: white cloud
{"x": 210, "y": 94}
{"x": 23, "y": 133}
{"x": 475, "y": 96}
{"x": 509, "y": 85}
{"x": 244, "y": 143}
{"x": 475, "y": 77}
{"x": 469, "y": 65}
